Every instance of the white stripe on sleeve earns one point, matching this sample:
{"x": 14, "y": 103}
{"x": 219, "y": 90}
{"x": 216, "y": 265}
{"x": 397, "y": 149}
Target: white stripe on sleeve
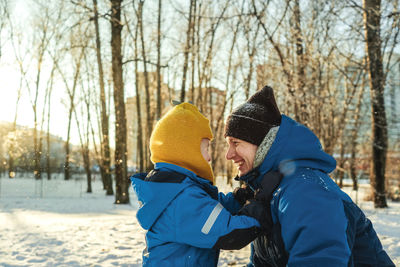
{"x": 212, "y": 218}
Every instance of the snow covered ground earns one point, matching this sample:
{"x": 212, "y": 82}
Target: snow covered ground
{"x": 56, "y": 223}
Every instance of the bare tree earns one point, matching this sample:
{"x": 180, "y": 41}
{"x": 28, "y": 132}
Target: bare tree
{"x": 282, "y": 58}
{"x": 105, "y": 144}
{"x": 121, "y": 182}
{"x": 56, "y": 39}
{"x": 251, "y": 47}
{"x": 193, "y": 53}
{"x": 3, "y": 16}
{"x": 84, "y": 139}
{"x": 140, "y": 155}
{"x": 186, "y": 51}
{"x": 354, "y": 134}
{"x": 50, "y": 90}
{"x": 158, "y": 115}
{"x": 138, "y": 110}
{"x": 83, "y": 123}
{"x": 71, "y": 91}
{"x": 205, "y": 67}
{"x": 302, "y": 116}
{"x": 149, "y": 115}
{"x": 20, "y": 59}
{"x": 42, "y": 45}
{"x": 372, "y": 17}
{"x": 218, "y": 140}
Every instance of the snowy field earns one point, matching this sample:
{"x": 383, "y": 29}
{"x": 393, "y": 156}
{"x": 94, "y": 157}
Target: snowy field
{"x": 56, "y": 223}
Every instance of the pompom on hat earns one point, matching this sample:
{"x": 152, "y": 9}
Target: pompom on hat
{"x": 252, "y": 120}
{"x": 176, "y": 139}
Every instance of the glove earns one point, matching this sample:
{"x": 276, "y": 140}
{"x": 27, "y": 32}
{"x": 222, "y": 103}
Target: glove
{"x": 260, "y": 211}
{"x": 241, "y": 194}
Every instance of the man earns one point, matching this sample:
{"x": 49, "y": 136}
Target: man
{"x": 310, "y": 221}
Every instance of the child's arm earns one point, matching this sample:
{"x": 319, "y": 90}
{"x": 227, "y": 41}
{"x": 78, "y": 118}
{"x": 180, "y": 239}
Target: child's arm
{"x": 203, "y": 222}
{"x": 229, "y": 202}
{"x": 235, "y": 200}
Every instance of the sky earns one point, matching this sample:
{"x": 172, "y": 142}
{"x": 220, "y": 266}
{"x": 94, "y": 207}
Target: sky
{"x": 9, "y": 91}
{"x": 10, "y": 82}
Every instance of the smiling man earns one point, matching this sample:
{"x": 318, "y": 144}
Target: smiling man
{"x": 310, "y": 221}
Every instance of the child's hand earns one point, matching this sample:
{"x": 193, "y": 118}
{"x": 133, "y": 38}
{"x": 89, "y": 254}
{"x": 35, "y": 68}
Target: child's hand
{"x": 241, "y": 194}
{"x": 260, "y": 211}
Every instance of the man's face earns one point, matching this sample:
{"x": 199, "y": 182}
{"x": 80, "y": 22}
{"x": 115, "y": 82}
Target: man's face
{"x": 242, "y": 153}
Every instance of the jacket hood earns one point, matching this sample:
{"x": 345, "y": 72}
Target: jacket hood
{"x": 176, "y": 139}
{"x": 153, "y": 197}
{"x": 296, "y": 146}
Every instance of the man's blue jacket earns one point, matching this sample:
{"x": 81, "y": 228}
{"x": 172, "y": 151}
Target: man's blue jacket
{"x": 187, "y": 220}
{"x": 318, "y": 223}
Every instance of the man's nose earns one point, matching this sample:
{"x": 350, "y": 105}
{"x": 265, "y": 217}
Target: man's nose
{"x": 230, "y": 153}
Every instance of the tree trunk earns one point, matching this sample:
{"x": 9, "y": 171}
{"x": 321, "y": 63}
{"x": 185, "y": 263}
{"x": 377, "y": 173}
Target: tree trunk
{"x": 159, "y": 61}
{"x": 121, "y": 179}
{"x": 251, "y": 52}
{"x": 220, "y": 122}
{"x": 48, "y": 162}
{"x": 354, "y": 135}
{"x": 86, "y": 163}
{"x": 140, "y": 156}
{"x": 66, "y": 162}
{"x": 341, "y": 163}
{"x": 193, "y": 54}
{"x": 303, "y": 113}
{"x": 71, "y": 94}
{"x": 282, "y": 59}
{"x": 186, "y": 52}
{"x": 11, "y": 167}
{"x": 105, "y": 144}
{"x": 149, "y": 116}
{"x": 372, "y": 16}
{"x": 36, "y": 167}
{"x": 46, "y": 100}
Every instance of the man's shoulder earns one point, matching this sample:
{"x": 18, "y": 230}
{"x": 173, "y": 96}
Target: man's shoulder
{"x": 306, "y": 180}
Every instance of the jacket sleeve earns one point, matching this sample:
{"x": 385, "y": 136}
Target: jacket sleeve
{"x": 229, "y": 202}
{"x": 313, "y": 225}
{"x": 204, "y": 222}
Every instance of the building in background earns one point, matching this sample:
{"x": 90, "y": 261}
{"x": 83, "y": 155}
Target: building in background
{"x": 131, "y": 112}
{"x": 210, "y": 102}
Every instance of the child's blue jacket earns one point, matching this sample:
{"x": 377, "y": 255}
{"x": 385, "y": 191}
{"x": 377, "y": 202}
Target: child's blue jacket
{"x": 187, "y": 219}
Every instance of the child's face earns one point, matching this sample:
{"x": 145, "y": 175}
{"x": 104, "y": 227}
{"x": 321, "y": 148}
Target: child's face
{"x": 204, "y": 145}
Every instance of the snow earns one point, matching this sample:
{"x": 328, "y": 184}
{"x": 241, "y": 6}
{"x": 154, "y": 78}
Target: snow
{"x": 56, "y": 223}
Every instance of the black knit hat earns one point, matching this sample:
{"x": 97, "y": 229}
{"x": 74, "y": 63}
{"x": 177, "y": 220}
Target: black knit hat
{"x": 252, "y": 120}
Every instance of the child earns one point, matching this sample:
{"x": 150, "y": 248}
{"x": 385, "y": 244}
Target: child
{"x": 187, "y": 220}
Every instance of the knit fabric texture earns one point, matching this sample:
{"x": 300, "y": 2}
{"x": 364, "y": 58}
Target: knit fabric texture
{"x": 265, "y": 145}
{"x": 176, "y": 139}
{"x": 252, "y": 120}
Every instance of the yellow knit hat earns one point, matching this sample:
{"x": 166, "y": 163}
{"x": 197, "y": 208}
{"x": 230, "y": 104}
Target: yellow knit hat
{"x": 176, "y": 139}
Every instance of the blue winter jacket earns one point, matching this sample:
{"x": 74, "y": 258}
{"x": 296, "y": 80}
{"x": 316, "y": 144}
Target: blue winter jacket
{"x": 320, "y": 225}
{"x": 187, "y": 219}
